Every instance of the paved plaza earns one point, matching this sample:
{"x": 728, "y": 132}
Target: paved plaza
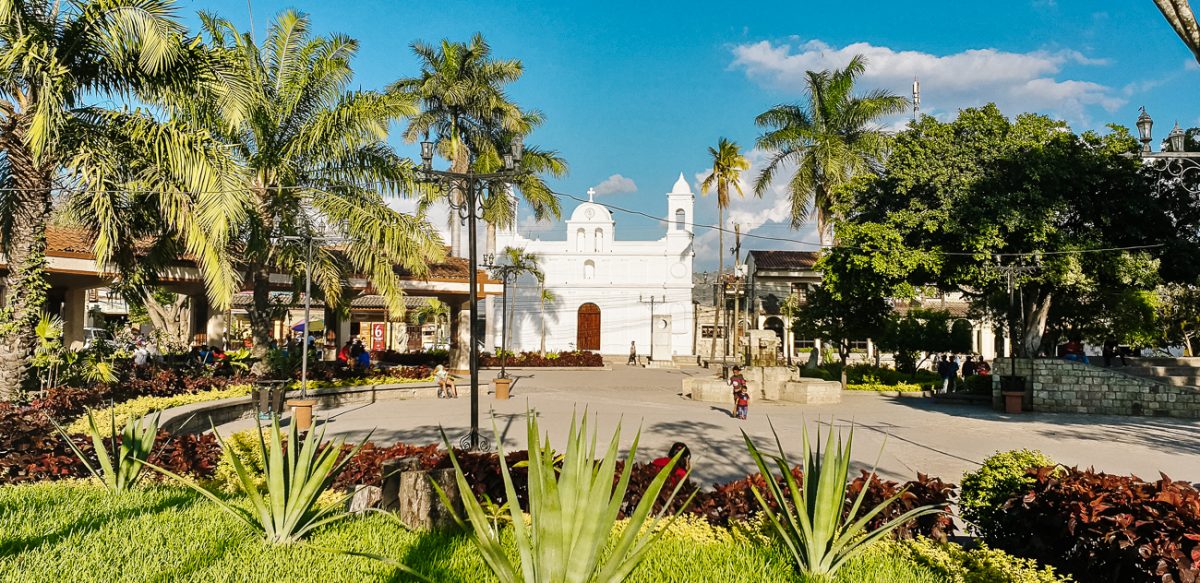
{"x": 922, "y": 435}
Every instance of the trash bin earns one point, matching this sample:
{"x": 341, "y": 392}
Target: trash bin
{"x": 269, "y": 399}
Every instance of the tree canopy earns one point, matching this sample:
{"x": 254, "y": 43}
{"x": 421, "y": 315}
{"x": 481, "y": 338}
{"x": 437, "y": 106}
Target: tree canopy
{"x": 957, "y": 202}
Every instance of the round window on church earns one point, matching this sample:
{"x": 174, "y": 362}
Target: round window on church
{"x": 678, "y": 271}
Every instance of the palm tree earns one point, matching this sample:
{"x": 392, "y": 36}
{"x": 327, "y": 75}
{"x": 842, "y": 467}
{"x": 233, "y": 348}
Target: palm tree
{"x": 727, "y": 166}
{"x": 830, "y": 140}
{"x": 434, "y": 311}
{"x": 463, "y": 104}
{"x": 56, "y": 61}
{"x": 517, "y": 262}
{"x": 466, "y": 113}
{"x": 545, "y": 296}
{"x": 318, "y": 166}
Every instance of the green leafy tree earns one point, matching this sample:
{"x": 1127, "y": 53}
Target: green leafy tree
{"x": 839, "y": 318}
{"x": 954, "y": 196}
{"x": 517, "y": 263}
{"x": 317, "y": 165}
{"x": 828, "y": 141}
{"x": 57, "y": 61}
{"x": 922, "y": 331}
{"x": 728, "y": 163}
{"x": 1177, "y": 315}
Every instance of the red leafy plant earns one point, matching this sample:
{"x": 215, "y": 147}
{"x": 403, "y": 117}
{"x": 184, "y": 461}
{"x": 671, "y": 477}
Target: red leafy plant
{"x": 1105, "y": 528}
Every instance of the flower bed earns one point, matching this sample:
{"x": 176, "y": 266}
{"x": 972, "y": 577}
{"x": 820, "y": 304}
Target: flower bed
{"x": 552, "y": 359}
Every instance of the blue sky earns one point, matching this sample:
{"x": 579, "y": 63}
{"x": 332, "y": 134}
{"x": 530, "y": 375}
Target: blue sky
{"x": 641, "y": 90}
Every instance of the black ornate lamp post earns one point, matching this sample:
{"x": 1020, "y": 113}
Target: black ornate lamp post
{"x": 471, "y": 184}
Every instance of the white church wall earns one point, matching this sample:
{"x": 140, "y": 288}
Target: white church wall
{"x": 617, "y": 276}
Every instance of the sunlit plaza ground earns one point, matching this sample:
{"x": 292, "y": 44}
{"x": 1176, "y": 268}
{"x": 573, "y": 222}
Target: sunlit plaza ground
{"x": 922, "y": 435}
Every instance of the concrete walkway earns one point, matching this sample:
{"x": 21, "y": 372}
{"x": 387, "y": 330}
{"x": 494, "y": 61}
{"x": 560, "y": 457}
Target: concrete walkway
{"x": 921, "y": 435}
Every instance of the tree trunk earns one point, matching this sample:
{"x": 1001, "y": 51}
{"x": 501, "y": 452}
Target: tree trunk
{"x": 1179, "y": 15}
{"x": 168, "y": 318}
{"x": 720, "y": 293}
{"x": 261, "y": 323}
{"x": 1035, "y": 325}
{"x": 461, "y": 163}
{"x": 460, "y": 346}
{"x": 25, "y": 285}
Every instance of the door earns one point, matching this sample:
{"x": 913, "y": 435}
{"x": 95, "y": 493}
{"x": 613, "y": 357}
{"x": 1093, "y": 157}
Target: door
{"x": 587, "y": 336}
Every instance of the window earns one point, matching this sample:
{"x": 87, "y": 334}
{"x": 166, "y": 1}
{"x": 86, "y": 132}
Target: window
{"x": 802, "y": 344}
{"x": 707, "y": 332}
{"x": 598, "y": 244}
{"x": 680, "y": 219}
{"x": 589, "y": 269}
{"x": 580, "y": 235}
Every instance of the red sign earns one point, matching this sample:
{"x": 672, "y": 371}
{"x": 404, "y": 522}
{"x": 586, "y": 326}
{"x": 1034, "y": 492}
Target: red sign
{"x": 378, "y": 336}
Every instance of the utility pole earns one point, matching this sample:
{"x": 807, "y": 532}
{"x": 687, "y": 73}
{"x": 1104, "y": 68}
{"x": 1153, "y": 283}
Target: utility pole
{"x": 741, "y": 285}
{"x": 916, "y": 99}
{"x": 652, "y": 301}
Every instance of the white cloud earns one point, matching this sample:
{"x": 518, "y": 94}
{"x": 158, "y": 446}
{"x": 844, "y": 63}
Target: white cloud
{"x": 1017, "y": 82}
{"x": 616, "y": 184}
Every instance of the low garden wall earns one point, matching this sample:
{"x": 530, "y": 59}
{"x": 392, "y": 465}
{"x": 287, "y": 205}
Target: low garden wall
{"x": 201, "y": 417}
{"x": 1061, "y": 386}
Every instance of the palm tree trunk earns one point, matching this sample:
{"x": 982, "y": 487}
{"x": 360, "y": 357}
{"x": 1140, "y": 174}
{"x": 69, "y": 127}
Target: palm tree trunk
{"x": 460, "y": 164}
{"x": 25, "y": 285}
{"x": 720, "y": 295}
{"x": 260, "y": 317}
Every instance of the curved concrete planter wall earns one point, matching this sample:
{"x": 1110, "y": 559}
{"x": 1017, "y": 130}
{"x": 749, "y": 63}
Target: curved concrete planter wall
{"x": 200, "y": 417}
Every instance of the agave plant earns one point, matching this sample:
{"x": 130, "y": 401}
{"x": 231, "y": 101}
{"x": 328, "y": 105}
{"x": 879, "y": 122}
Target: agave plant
{"x": 810, "y": 517}
{"x": 120, "y": 463}
{"x": 297, "y": 473}
{"x": 573, "y": 506}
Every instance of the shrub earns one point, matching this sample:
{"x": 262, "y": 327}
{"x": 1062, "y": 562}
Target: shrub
{"x": 1105, "y": 528}
{"x": 977, "y": 565}
{"x": 367, "y": 466}
{"x": 245, "y": 446}
{"x": 533, "y": 359}
{"x": 188, "y": 455}
{"x": 1001, "y": 477}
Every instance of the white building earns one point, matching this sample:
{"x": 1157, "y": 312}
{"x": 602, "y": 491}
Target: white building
{"x": 606, "y": 289}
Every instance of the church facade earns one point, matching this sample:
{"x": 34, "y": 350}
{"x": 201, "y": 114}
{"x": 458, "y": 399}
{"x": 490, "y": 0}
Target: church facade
{"x": 607, "y": 292}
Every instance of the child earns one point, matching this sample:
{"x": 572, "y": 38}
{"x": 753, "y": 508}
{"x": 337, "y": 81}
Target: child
{"x": 742, "y": 398}
{"x": 736, "y": 380}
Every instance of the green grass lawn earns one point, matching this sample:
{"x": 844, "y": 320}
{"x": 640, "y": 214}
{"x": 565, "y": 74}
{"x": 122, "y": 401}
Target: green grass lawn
{"x": 77, "y": 532}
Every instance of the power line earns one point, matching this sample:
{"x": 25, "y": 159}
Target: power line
{"x": 829, "y": 246}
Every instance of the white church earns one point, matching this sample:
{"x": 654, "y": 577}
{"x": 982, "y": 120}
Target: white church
{"x": 608, "y": 292}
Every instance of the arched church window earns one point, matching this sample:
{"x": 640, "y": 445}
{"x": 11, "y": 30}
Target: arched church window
{"x": 580, "y": 235}
{"x": 589, "y": 269}
{"x": 598, "y": 244}
{"x": 680, "y": 219}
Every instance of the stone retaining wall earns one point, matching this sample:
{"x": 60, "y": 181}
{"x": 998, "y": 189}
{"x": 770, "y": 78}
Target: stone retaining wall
{"x": 1062, "y": 386}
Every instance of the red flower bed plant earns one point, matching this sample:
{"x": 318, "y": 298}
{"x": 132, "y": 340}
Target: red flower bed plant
{"x": 1104, "y": 528}
{"x": 533, "y": 359}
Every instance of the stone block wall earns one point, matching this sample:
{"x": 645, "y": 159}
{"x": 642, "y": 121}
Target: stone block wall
{"x": 1061, "y": 386}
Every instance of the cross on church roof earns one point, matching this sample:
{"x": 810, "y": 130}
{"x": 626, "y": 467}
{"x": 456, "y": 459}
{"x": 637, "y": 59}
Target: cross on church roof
{"x": 591, "y": 193}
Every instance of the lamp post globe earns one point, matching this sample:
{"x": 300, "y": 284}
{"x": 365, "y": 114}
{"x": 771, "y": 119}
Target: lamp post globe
{"x": 1175, "y": 138}
{"x": 1144, "y": 126}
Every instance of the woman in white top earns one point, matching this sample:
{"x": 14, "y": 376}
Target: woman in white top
{"x": 446, "y": 388}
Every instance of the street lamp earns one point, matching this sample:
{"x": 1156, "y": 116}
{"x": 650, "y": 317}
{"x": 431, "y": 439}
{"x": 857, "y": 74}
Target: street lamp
{"x": 1144, "y": 125}
{"x": 471, "y": 184}
{"x": 1176, "y": 162}
{"x": 505, "y": 273}
{"x": 308, "y": 257}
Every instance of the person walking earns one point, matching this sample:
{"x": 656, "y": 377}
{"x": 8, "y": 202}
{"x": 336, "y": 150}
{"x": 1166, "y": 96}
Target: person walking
{"x": 943, "y": 370}
{"x": 633, "y": 359}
